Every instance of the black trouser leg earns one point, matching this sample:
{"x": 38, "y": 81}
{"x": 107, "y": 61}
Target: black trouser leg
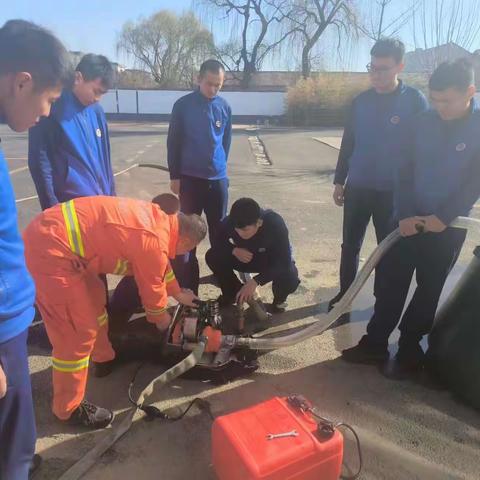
{"x": 284, "y": 284}
{"x": 393, "y": 278}
{"x": 356, "y": 215}
{"x": 436, "y": 256}
{"x": 382, "y": 217}
{"x": 223, "y": 269}
{"x": 198, "y": 195}
{"x": 192, "y": 201}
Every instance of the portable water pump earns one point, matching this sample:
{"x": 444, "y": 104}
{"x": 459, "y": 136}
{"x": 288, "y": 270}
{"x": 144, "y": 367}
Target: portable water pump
{"x": 133, "y": 338}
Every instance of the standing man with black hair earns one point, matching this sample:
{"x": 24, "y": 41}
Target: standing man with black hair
{"x": 255, "y": 241}
{"x": 364, "y": 174}
{"x": 33, "y": 68}
{"x": 438, "y": 180}
{"x": 198, "y": 144}
{"x": 69, "y": 152}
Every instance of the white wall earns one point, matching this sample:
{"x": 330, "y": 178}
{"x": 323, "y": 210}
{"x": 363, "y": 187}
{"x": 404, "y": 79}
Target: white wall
{"x": 127, "y": 101}
{"x": 161, "y": 102}
{"x": 158, "y": 101}
{"x": 109, "y": 101}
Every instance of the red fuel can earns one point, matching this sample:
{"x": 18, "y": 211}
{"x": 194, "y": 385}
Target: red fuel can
{"x": 242, "y": 451}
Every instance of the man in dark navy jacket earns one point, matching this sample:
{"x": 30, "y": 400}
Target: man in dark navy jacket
{"x": 364, "y": 173}
{"x": 69, "y": 152}
{"x": 198, "y": 144}
{"x": 438, "y": 179}
{"x": 256, "y": 241}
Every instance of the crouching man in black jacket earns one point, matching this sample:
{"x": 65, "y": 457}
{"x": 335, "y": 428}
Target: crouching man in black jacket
{"x": 255, "y": 241}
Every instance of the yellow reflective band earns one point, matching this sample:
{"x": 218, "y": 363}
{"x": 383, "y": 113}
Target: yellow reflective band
{"x": 121, "y": 267}
{"x": 102, "y": 319}
{"x": 73, "y": 228}
{"x": 70, "y": 366}
{"x": 170, "y": 276}
{"x": 153, "y": 311}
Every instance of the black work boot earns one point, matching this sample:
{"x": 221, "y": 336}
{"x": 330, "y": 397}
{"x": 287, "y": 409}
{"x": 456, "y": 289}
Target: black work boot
{"x": 102, "y": 369}
{"x": 279, "y": 305}
{"x": 335, "y": 300}
{"x": 275, "y": 308}
{"x": 91, "y": 416}
{"x": 366, "y": 353}
{"x": 408, "y": 362}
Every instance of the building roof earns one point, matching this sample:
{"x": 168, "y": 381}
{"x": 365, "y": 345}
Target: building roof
{"x": 426, "y": 60}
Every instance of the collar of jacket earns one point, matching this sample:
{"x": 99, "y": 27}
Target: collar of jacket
{"x": 401, "y": 87}
{"x": 203, "y": 98}
{"x": 172, "y": 244}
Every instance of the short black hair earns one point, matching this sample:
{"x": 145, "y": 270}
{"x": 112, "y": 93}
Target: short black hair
{"x": 245, "y": 212}
{"x": 93, "y": 66}
{"x": 458, "y": 74}
{"x": 389, "y": 47}
{"x": 27, "y": 47}
{"x": 168, "y": 202}
{"x": 211, "y": 65}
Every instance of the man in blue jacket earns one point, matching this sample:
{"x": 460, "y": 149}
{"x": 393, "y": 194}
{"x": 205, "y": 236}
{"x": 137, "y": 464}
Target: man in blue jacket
{"x": 198, "y": 144}
{"x": 33, "y": 67}
{"x": 438, "y": 180}
{"x": 256, "y": 241}
{"x": 69, "y": 152}
{"x": 364, "y": 173}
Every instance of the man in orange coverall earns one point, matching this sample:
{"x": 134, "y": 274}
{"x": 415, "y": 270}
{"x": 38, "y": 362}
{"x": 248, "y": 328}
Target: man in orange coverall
{"x": 66, "y": 248}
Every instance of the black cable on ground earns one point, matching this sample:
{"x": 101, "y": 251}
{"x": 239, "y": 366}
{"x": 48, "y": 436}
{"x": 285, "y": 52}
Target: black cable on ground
{"x": 359, "y": 449}
{"x": 153, "y": 412}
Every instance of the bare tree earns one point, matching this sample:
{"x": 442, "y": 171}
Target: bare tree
{"x": 255, "y": 32}
{"x": 171, "y": 48}
{"x": 384, "y": 21}
{"x": 312, "y": 18}
{"x": 449, "y": 25}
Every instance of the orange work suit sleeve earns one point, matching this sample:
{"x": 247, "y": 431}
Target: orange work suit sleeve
{"x": 173, "y": 288}
{"x": 150, "y": 269}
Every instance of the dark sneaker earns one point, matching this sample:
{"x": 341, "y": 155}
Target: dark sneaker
{"x": 34, "y": 465}
{"x": 335, "y": 300}
{"x": 366, "y": 353}
{"x": 91, "y": 416}
{"x": 274, "y": 308}
{"x": 102, "y": 369}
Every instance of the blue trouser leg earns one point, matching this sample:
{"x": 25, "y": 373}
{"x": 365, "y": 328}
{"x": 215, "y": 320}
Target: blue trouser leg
{"x": 17, "y": 421}
{"x": 356, "y": 216}
{"x": 361, "y": 204}
{"x": 431, "y": 256}
{"x": 283, "y": 284}
{"x": 199, "y": 195}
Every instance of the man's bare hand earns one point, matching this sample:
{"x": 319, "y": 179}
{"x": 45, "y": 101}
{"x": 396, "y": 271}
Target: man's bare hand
{"x": 242, "y": 254}
{"x": 3, "y": 383}
{"x": 186, "y": 297}
{"x": 246, "y": 292}
{"x": 408, "y": 226}
{"x": 432, "y": 223}
{"x": 338, "y": 195}
{"x": 163, "y": 321}
{"x": 175, "y": 186}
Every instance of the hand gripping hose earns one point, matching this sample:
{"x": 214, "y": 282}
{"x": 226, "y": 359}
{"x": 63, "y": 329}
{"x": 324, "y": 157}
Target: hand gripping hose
{"x": 343, "y": 306}
{"x": 87, "y": 461}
